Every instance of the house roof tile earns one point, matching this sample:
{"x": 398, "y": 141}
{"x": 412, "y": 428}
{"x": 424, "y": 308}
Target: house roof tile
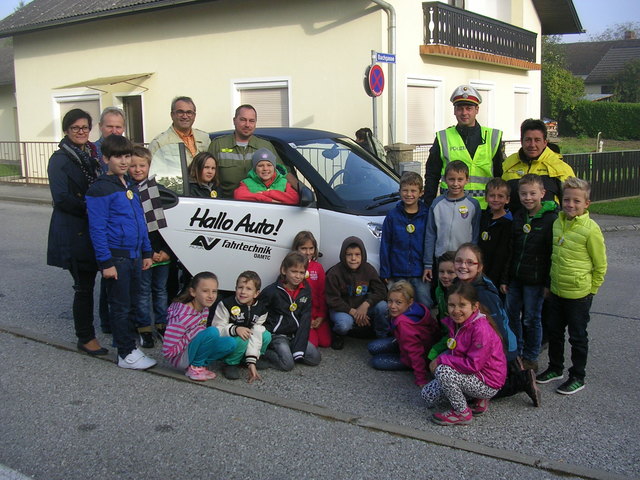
{"x": 41, "y": 14}
{"x": 7, "y": 76}
{"x": 612, "y": 63}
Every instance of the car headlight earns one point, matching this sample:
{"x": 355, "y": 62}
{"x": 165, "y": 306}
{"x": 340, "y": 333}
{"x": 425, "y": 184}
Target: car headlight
{"x": 375, "y": 229}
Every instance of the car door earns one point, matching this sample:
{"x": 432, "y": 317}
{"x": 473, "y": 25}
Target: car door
{"x": 228, "y": 237}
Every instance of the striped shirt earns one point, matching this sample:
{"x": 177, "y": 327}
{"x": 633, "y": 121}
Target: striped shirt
{"x": 183, "y": 324}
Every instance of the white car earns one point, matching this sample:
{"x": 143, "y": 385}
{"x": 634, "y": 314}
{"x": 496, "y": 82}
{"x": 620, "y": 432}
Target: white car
{"x": 344, "y": 191}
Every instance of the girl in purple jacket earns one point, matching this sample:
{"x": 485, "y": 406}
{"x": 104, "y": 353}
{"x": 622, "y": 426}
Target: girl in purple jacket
{"x": 474, "y": 364}
{"x": 414, "y": 333}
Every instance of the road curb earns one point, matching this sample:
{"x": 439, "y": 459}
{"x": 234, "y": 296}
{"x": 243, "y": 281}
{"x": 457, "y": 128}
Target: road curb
{"x": 37, "y": 201}
{"x": 556, "y": 467}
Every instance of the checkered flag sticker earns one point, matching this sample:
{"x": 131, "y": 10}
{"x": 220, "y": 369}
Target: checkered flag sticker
{"x": 151, "y": 204}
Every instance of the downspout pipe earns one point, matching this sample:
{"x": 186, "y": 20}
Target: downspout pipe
{"x": 391, "y": 32}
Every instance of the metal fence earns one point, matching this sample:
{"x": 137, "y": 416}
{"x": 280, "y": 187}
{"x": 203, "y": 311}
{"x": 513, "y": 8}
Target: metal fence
{"x": 612, "y": 174}
{"x": 25, "y": 162}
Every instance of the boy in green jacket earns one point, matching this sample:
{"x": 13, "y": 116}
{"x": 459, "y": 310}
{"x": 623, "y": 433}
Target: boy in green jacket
{"x": 578, "y": 267}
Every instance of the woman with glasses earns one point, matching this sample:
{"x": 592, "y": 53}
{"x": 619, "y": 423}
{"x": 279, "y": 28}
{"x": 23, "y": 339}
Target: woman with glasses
{"x": 72, "y": 168}
{"x": 468, "y": 265}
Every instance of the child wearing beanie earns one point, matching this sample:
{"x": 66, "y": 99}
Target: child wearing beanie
{"x": 266, "y": 182}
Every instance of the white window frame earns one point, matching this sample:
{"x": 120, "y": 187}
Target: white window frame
{"x": 57, "y": 99}
{"x": 489, "y": 89}
{"x": 430, "y": 82}
{"x": 527, "y": 89}
{"x": 237, "y": 85}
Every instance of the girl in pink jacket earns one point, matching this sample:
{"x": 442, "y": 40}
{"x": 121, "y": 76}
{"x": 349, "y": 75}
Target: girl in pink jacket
{"x": 414, "y": 333}
{"x": 474, "y": 364}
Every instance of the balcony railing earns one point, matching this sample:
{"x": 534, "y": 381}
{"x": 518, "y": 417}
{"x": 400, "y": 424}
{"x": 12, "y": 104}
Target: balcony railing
{"x": 451, "y": 26}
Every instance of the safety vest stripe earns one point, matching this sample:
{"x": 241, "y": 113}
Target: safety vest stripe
{"x": 233, "y": 156}
{"x": 444, "y": 146}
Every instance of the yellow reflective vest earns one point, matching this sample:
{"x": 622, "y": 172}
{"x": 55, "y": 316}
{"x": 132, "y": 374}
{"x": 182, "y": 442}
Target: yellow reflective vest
{"x": 452, "y": 148}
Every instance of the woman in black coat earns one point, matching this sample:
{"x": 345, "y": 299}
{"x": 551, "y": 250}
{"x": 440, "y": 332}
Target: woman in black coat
{"x": 71, "y": 170}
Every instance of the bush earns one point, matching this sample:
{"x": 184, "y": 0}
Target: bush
{"x": 617, "y": 121}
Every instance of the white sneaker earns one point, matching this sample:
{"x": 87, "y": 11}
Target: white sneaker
{"x": 136, "y": 360}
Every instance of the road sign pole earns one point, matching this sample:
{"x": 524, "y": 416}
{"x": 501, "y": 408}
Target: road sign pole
{"x": 374, "y": 105}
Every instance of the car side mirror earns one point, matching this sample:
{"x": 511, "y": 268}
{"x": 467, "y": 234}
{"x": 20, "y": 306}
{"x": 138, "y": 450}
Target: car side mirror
{"x": 307, "y": 197}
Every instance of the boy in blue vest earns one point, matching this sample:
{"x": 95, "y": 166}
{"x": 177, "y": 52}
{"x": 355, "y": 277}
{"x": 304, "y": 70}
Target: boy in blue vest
{"x": 529, "y": 267}
{"x": 454, "y": 218}
{"x": 402, "y": 244}
{"x": 121, "y": 242}
{"x": 578, "y": 267}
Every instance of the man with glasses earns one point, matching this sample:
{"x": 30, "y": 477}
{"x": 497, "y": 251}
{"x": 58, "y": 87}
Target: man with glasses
{"x": 164, "y": 147}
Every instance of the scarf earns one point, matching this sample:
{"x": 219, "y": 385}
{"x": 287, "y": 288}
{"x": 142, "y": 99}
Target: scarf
{"x": 86, "y": 158}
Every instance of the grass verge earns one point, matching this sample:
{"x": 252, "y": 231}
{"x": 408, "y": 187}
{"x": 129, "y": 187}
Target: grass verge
{"x": 627, "y": 207}
{"x": 9, "y": 170}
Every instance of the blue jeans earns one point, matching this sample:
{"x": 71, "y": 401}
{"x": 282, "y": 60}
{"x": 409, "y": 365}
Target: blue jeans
{"x": 526, "y": 300}
{"x": 103, "y": 307}
{"x": 343, "y": 322}
{"x": 122, "y": 295}
{"x": 208, "y": 346}
{"x": 571, "y": 314}
{"x": 386, "y": 354}
{"x": 153, "y": 288}
{"x": 279, "y": 353}
{"x": 422, "y": 290}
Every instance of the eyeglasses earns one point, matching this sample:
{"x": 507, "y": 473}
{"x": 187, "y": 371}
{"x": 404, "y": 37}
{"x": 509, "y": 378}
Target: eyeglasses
{"x": 189, "y": 113}
{"x": 76, "y": 129}
{"x": 466, "y": 263}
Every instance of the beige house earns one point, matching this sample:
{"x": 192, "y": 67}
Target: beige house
{"x": 300, "y": 62}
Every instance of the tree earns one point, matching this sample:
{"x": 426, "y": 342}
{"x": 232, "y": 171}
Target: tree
{"x": 615, "y": 32}
{"x": 560, "y": 89}
{"x": 626, "y": 83}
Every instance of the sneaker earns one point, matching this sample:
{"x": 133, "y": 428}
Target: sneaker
{"x": 531, "y": 389}
{"x": 453, "y": 418}
{"x": 478, "y": 406}
{"x": 146, "y": 340}
{"x": 263, "y": 364}
{"x": 199, "y": 374}
{"x": 136, "y": 360}
{"x": 571, "y": 386}
{"x": 231, "y": 372}
{"x": 529, "y": 364}
{"x": 548, "y": 375}
{"x": 337, "y": 341}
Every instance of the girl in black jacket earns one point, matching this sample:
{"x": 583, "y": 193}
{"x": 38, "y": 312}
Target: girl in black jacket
{"x": 289, "y": 315}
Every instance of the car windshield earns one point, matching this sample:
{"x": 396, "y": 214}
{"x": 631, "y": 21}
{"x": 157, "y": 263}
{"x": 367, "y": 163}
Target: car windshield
{"x": 360, "y": 181}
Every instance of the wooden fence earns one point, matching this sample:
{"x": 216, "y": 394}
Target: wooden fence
{"x": 612, "y": 174}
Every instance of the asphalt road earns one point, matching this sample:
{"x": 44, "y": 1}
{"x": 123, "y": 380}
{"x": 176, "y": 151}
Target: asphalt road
{"x": 65, "y": 415}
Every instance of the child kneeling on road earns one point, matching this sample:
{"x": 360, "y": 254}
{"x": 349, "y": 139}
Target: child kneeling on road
{"x": 242, "y": 317}
{"x": 355, "y": 294}
{"x": 188, "y": 342}
{"x": 473, "y": 366}
{"x": 289, "y": 319}
{"x": 414, "y": 333}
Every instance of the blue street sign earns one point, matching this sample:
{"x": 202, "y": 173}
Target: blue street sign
{"x": 385, "y": 57}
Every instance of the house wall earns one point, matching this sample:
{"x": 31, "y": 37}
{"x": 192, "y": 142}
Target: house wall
{"x": 8, "y": 125}
{"x": 499, "y": 85}
{"x": 321, "y": 49}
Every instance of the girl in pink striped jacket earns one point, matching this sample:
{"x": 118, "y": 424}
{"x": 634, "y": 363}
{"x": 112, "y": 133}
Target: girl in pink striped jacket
{"x": 188, "y": 343}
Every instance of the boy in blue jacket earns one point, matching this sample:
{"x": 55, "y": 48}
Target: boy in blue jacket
{"x": 402, "y": 245}
{"x": 119, "y": 235}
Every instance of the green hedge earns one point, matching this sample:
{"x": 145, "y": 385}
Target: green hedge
{"x": 616, "y": 121}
